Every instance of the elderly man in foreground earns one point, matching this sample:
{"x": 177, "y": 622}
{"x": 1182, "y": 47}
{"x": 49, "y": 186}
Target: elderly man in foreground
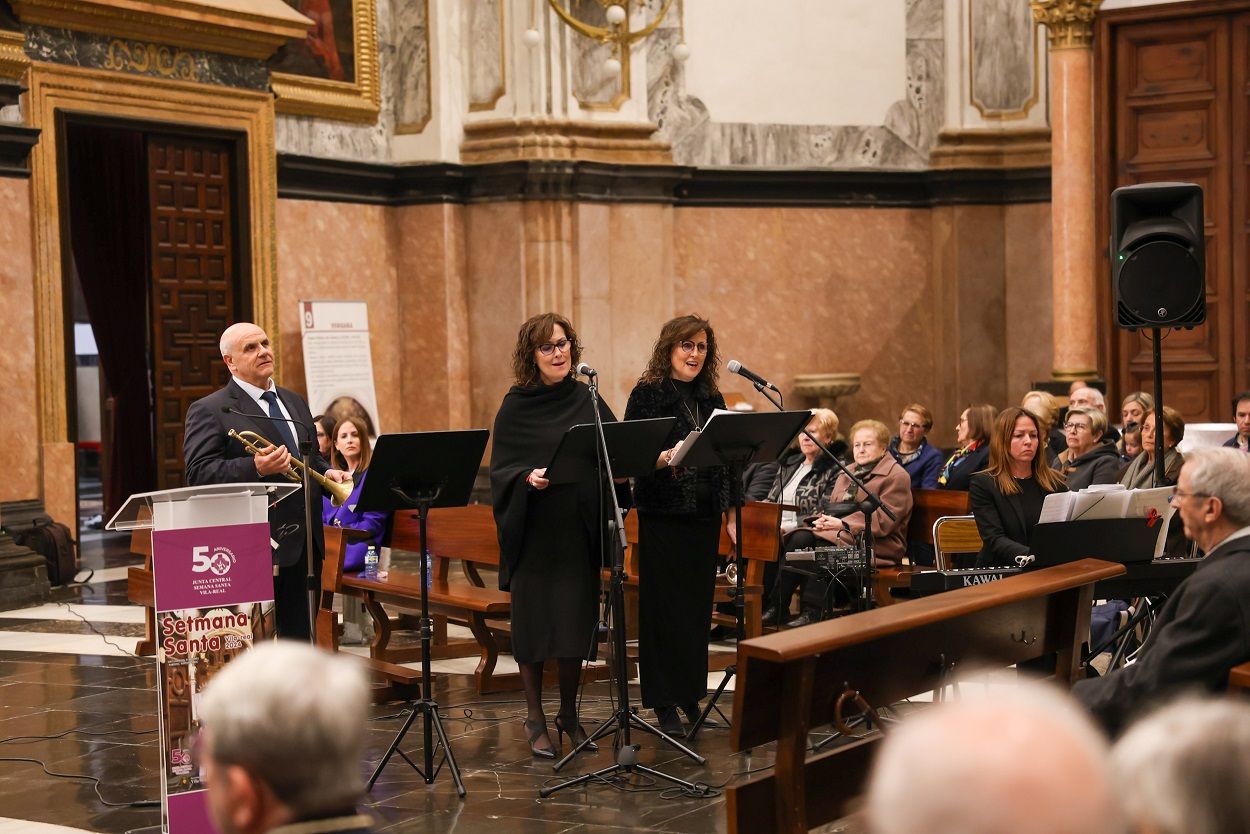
{"x": 1204, "y": 628}
{"x": 1027, "y": 763}
{"x": 283, "y": 737}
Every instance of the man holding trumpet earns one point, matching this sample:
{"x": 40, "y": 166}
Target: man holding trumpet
{"x": 251, "y": 401}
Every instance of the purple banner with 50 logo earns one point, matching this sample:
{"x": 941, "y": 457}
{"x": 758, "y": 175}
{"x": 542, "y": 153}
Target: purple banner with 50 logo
{"x": 203, "y": 567}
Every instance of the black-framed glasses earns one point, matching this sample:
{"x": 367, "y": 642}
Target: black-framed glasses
{"x": 551, "y": 347}
{"x": 1076, "y": 427}
{"x": 688, "y": 346}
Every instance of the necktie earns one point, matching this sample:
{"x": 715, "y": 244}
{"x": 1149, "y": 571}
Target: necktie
{"x": 286, "y": 436}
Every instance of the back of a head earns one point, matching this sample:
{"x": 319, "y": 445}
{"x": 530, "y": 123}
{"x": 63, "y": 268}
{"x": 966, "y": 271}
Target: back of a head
{"x": 1030, "y": 762}
{"x": 294, "y": 717}
{"x": 1185, "y": 769}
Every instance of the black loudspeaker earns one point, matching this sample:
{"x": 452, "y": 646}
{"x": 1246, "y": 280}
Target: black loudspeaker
{"x": 1158, "y": 255}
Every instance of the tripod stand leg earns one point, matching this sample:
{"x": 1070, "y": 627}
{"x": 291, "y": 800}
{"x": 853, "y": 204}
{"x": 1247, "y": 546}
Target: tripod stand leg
{"x": 643, "y": 725}
{"x": 609, "y": 726}
{"x": 412, "y": 716}
{"x": 432, "y": 718}
{"x": 711, "y": 704}
{"x": 581, "y": 780}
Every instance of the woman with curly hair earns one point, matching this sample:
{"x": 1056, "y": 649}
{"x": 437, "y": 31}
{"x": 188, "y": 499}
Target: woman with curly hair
{"x": 549, "y": 538}
{"x": 679, "y": 519}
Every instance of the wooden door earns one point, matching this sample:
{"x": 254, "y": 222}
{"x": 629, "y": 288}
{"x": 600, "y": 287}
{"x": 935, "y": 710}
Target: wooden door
{"x": 1172, "y": 122}
{"x": 195, "y": 293}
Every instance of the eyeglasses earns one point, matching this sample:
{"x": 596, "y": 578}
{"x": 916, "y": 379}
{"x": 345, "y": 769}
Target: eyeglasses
{"x": 551, "y": 347}
{"x": 907, "y": 424}
{"x": 1075, "y": 427}
{"x": 688, "y": 346}
{"x": 1177, "y": 495}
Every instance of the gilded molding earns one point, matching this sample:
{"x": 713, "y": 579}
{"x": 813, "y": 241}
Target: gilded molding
{"x": 13, "y": 60}
{"x": 1069, "y": 23}
{"x": 55, "y": 89}
{"x": 211, "y": 25}
{"x": 354, "y": 101}
{"x": 148, "y": 57}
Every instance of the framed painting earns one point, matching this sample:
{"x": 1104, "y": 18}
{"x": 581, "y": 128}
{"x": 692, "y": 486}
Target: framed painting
{"x": 333, "y": 72}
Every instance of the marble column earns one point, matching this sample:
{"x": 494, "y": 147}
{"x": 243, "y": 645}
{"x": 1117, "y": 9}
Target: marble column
{"x": 1069, "y": 25}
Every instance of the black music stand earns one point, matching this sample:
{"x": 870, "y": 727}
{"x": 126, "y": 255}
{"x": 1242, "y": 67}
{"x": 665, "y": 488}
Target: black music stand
{"x": 1124, "y": 540}
{"x": 634, "y": 446}
{"x": 733, "y": 441}
{"x": 418, "y": 471}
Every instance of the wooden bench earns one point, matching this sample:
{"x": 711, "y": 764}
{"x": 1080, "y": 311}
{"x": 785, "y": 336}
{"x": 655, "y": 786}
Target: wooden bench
{"x": 927, "y": 506}
{"x": 464, "y": 534}
{"x": 1239, "y": 679}
{"x": 790, "y": 682}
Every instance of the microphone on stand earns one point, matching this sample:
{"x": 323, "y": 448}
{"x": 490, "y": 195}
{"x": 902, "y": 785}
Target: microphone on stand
{"x": 585, "y": 370}
{"x": 736, "y": 367}
{"x": 228, "y": 409}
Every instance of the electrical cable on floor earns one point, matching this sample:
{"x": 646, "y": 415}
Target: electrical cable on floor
{"x": 11, "y": 739}
{"x": 99, "y": 633}
{"x": 95, "y": 784}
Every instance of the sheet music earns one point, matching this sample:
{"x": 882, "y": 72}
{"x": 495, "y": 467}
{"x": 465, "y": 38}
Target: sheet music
{"x": 1144, "y": 502}
{"x": 694, "y": 435}
{"x": 1056, "y": 507}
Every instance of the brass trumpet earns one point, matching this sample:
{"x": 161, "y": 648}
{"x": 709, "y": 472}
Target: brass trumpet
{"x": 256, "y": 444}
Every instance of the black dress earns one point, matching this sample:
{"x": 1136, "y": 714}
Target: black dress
{"x": 550, "y": 553}
{"x": 679, "y": 522}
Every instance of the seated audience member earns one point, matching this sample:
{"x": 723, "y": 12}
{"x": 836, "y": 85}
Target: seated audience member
{"x": 325, "y": 433}
{"x": 757, "y": 480}
{"x": 1027, "y": 762}
{"x": 1140, "y": 473}
{"x": 804, "y": 479}
{"x": 283, "y": 741}
{"x": 351, "y": 454}
{"x": 973, "y": 451}
{"x": 1088, "y": 460}
{"x": 1241, "y": 414}
{"x": 1007, "y": 497}
{"x": 911, "y": 447}
{"x": 1130, "y": 446}
{"x": 841, "y": 521}
{"x": 1134, "y": 407}
{"x": 1093, "y": 398}
{"x": 1048, "y": 412}
{"x": 1204, "y": 628}
{"x": 1185, "y": 768}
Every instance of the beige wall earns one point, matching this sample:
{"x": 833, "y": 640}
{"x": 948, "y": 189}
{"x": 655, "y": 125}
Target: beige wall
{"x": 19, "y": 419}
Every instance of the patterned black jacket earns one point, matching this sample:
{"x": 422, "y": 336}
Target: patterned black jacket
{"x": 812, "y": 495}
{"x": 672, "y": 490}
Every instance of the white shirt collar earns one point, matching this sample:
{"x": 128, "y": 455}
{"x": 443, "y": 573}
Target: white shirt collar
{"x": 251, "y": 390}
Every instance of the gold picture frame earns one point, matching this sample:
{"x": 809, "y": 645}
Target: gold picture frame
{"x": 309, "y": 79}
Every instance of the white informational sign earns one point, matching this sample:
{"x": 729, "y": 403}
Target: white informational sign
{"x": 338, "y": 366}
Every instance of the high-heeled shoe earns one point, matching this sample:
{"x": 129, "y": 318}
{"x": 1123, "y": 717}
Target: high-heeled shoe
{"x": 537, "y": 730}
{"x": 576, "y": 732}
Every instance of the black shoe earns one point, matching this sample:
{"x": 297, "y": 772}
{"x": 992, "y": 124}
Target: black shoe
{"x": 692, "y": 712}
{"x": 538, "y": 730}
{"x": 771, "y": 616}
{"x": 806, "y": 618}
{"x": 670, "y": 722}
{"x": 576, "y": 732}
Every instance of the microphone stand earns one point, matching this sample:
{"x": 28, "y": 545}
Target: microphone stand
{"x": 625, "y": 715}
{"x": 310, "y": 576}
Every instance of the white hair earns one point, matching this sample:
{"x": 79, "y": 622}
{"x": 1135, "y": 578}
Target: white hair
{"x": 1222, "y": 473}
{"x": 1093, "y": 395}
{"x": 1030, "y": 762}
{"x": 1185, "y": 769}
{"x": 294, "y": 717}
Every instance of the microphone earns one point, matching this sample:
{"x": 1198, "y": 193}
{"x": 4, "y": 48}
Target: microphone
{"x": 735, "y": 367}
{"x": 585, "y": 370}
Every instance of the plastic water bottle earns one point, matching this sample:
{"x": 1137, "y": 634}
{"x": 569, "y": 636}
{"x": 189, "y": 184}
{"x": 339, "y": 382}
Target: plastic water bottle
{"x": 371, "y": 562}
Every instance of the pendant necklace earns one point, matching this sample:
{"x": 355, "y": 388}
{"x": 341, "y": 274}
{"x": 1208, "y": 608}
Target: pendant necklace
{"x": 694, "y": 416}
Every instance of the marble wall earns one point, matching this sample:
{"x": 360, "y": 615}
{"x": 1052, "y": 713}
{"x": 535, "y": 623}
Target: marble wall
{"x": 19, "y": 419}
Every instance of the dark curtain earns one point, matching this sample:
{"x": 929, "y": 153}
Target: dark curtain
{"x": 108, "y": 216}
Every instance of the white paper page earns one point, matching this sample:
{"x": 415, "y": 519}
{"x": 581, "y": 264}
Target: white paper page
{"x": 1056, "y": 507}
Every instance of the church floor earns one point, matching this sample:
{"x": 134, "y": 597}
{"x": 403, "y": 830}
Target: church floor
{"x": 76, "y": 702}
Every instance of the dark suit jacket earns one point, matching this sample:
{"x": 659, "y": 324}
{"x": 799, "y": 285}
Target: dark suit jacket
{"x": 1001, "y": 521}
{"x": 212, "y": 457}
{"x": 1201, "y": 633}
{"x": 962, "y": 474}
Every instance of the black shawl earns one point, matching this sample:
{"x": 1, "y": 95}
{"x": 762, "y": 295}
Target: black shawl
{"x": 528, "y": 428}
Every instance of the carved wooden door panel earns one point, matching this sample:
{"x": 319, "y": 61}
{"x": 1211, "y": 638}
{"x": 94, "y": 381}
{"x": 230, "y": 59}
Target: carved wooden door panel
{"x": 1239, "y": 288}
{"x": 195, "y": 294}
{"x": 1174, "y": 121}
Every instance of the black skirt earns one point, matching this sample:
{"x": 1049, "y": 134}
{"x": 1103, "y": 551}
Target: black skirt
{"x": 555, "y": 586}
{"x": 676, "y": 580}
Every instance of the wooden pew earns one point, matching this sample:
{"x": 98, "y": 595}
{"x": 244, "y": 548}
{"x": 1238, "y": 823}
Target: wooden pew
{"x": 761, "y": 544}
{"x": 928, "y": 505}
{"x": 789, "y": 682}
{"x": 1239, "y": 679}
{"x": 464, "y": 534}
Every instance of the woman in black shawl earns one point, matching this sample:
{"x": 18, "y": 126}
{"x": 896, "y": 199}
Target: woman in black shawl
{"x": 679, "y": 521}
{"x": 549, "y": 542}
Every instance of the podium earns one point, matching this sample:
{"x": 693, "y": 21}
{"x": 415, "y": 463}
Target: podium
{"x": 212, "y": 571}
